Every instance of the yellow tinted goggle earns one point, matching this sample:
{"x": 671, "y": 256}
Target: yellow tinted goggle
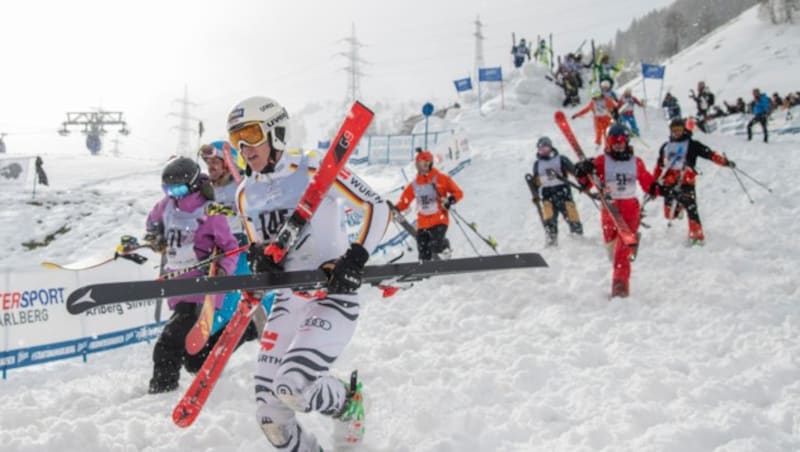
{"x": 251, "y": 134}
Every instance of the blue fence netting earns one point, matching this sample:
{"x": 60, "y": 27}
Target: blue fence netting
{"x": 82, "y": 347}
{"x": 393, "y": 149}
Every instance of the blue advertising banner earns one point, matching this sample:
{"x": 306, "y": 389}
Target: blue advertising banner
{"x": 653, "y": 71}
{"x": 490, "y": 74}
{"x": 465, "y": 84}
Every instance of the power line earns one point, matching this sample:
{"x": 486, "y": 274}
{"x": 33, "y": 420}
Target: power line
{"x": 353, "y": 67}
{"x": 184, "y": 127}
{"x": 478, "y": 44}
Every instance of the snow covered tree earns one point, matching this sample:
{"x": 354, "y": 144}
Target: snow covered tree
{"x": 665, "y": 32}
{"x": 781, "y": 11}
{"x": 674, "y": 22}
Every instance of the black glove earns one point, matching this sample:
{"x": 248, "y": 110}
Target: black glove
{"x": 584, "y": 168}
{"x": 655, "y": 189}
{"x": 449, "y": 202}
{"x": 574, "y": 116}
{"x": 155, "y": 241}
{"x": 260, "y": 262}
{"x": 344, "y": 274}
{"x": 730, "y": 164}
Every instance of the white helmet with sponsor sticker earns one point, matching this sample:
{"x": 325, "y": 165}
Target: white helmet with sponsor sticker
{"x": 273, "y": 118}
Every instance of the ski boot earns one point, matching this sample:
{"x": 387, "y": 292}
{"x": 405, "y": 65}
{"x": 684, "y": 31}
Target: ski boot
{"x": 159, "y": 387}
{"x": 619, "y": 289}
{"x": 350, "y": 428}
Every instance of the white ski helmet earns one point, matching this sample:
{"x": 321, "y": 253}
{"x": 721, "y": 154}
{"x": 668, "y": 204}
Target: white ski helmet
{"x": 274, "y": 119}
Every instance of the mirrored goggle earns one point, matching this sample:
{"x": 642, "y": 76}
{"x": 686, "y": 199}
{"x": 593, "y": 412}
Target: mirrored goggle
{"x": 251, "y": 134}
{"x": 207, "y": 151}
{"x": 617, "y": 139}
{"x": 544, "y": 148}
{"x": 677, "y": 129}
{"x": 176, "y": 191}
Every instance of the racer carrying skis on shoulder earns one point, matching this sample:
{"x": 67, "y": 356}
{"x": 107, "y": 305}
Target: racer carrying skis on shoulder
{"x": 550, "y": 172}
{"x": 678, "y": 157}
{"x": 435, "y": 193}
{"x": 180, "y": 225}
{"x": 520, "y": 52}
{"x": 225, "y": 187}
{"x": 305, "y": 333}
{"x": 619, "y": 171}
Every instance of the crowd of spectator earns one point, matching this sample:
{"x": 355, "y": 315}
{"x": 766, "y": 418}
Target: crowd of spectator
{"x": 776, "y": 103}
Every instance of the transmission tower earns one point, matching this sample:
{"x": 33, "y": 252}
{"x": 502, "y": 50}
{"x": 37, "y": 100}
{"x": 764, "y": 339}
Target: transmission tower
{"x": 478, "y": 44}
{"x": 184, "y": 127}
{"x": 115, "y": 151}
{"x": 353, "y": 67}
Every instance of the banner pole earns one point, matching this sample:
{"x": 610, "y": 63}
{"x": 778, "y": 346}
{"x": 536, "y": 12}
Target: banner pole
{"x": 502, "y": 96}
{"x": 35, "y": 181}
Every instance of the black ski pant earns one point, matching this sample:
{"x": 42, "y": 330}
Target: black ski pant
{"x": 169, "y": 353}
{"x": 684, "y": 197}
{"x": 558, "y": 200}
{"x": 761, "y": 119}
{"x": 678, "y": 198}
{"x": 432, "y": 240}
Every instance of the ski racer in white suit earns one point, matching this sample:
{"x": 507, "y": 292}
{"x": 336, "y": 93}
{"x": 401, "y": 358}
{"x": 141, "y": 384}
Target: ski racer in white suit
{"x": 305, "y": 332}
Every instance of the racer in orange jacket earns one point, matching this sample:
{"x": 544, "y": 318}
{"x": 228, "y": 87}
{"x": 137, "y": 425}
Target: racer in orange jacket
{"x": 602, "y": 107}
{"x": 619, "y": 170}
{"x": 435, "y": 192}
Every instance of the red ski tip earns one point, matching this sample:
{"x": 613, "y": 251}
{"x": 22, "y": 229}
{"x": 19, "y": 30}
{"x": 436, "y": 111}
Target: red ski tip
{"x": 388, "y": 291}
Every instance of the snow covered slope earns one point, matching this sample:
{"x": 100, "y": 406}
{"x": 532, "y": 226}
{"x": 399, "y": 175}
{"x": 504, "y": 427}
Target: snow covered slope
{"x": 702, "y": 357}
{"x": 746, "y": 53}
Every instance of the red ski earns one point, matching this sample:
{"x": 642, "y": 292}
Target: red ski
{"x": 189, "y": 407}
{"x": 625, "y": 234}
{"x": 342, "y": 147}
{"x": 201, "y": 331}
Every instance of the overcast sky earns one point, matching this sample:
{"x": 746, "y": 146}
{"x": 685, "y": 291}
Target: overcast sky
{"x": 137, "y": 56}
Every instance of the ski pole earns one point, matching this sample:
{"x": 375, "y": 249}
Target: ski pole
{"x": 761, "y": 184}
{"x": 463, "y": 231}
{"x": 203, "y": 263}
{"x": 739, "y": 179}
{"x": 641, "y": 140}
{"x": 488, "y": 240}
{"x": 741, "y": 184}
{"x": 593, "y": 196}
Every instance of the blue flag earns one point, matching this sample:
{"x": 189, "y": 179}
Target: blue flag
{"x": 653, "y": 71}
{"x": 465, "y": 84}
{"x": 490, "y": 74}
